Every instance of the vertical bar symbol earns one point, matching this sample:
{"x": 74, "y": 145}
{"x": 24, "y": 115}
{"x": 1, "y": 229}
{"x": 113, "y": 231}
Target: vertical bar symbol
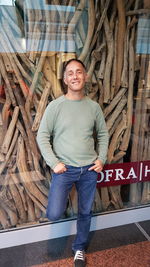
{"x": 141, "y": 169}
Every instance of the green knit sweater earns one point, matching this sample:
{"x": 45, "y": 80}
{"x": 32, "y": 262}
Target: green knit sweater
{"x": 66, "y": 132}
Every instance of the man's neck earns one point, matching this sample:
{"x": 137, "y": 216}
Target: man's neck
{"x": 75, "y": 95}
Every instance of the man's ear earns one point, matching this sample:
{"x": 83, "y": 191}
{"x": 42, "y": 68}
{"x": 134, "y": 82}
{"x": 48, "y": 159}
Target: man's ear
{"x": 65, "y": 81}
{"x": 86, "y": 77}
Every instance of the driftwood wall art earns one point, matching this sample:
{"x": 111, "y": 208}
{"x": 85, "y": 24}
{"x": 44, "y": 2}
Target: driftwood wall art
{"x": 104, "y": 34}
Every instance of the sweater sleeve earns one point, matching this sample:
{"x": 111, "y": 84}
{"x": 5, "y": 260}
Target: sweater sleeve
{"x": 44, "y": 135}
{"x": 102, "y": 135}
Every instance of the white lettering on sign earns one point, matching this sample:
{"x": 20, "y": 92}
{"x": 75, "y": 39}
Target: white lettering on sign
{"x": 131, "y": 174}
{"x": 108, "y": 174}
{"x": 119, "y": 173}
{"x": 101, "y": 177}
{"x": 124, "y": 173}
{"x": 146, "y": 170}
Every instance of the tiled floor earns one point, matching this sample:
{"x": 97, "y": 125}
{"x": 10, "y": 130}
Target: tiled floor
{"x": 123, "y": 246}
{"x": 134, "y": 255}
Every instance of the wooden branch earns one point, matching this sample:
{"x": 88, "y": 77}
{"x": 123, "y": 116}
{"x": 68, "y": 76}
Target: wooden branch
{"x": 13, "y": 218}
{"x": 39, "y": 180}
{"x": 33, "y": 86}
{"x": 6, "y": 44}
{"x": 119, "y": 156}
{"x": 18, "y": 201}
{"x": 39, "y": 214}
{"x": 31, "y": 137}
{"x": 120, "y": 42}
{"x": 5, "y": 77}
{"x": 30, "y": 209}
{"x": 135, "y": 194}
{"x": 105, "y": 198}
{"x": 7, "y": 157}
{"x": 13, "y": 59}
{"x": 146, "y": 192}
{"x": 144, "y": 130}
{"x": 116, "y": 122}
{"x": 91, "y": 24}
{"x": 101, "y": 93}
{"x": 124, "y": 76}
{"x": 116, "y": 112}
{"x": 25, "y": 176}
{"x": 102, "y": 18}
{"x": 51, "y": 77}
{"x": 146, "y": 4}
{"x": 97, "y": 205}
{"x": 10, "y": 131}
{"x": 114, "y": 65}
{"x": 59, "y": 67}
{"x": 7, "y": 203}
{"x": 96, "y": 55}
{"x": 16, "y": 180}
{"x": 4, "y": 220}
{"x": 7, "y": 63}
{"x": 128, "y": 4}
{"x": 114, "y": 102}
{"x": 137, "y": 12}
{"x": 145, "y": 155}
{"x": 116, "y": 196}
{"x": 25, "y": 138}
{"x": 41, "y": 106}
{"x": 109, "y": 60}
{"x": 101, "y": 70}
{"x": 114, "y": 144}
{"x": 76, "y": 17}
{"x": 5, "y": 117}
{"x": 126, "y": 138}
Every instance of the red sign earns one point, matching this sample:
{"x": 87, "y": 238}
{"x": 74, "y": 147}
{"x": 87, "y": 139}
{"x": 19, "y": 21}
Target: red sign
{"x": 124, "y": 173}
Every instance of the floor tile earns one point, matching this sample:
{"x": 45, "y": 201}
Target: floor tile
{"x": 146, "y": 226}
{"x": 134, "y": 255}
{"x": 115, "y": 237}
{"x": 54, "y": 250}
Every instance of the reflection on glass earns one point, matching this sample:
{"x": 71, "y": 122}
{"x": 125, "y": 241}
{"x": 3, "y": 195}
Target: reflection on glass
{"x": 46, "y": 27}
{"x": 143, "y": 36}
{"x": 12, "y": 31}
{"x": 6, "y": 2}
{"x": 36, "y": 38}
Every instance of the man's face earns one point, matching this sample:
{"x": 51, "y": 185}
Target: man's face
{"x": 75, "y": 76}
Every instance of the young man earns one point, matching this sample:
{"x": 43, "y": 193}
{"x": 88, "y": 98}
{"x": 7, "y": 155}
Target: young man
{"x": 70, "y": 121}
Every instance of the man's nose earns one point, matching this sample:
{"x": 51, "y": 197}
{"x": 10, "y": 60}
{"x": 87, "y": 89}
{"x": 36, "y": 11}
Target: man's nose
{"x": 75, "y": 75}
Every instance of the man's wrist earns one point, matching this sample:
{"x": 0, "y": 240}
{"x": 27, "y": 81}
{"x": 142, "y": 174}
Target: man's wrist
{"x": 102, "y": 161}
{"x": 55, "y": 164}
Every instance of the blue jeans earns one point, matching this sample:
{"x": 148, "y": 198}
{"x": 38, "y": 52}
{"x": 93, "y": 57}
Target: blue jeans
{"x": 85, "y": 182}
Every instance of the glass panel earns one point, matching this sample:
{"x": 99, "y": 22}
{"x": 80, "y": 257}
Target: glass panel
{"x": 36, "y": 38}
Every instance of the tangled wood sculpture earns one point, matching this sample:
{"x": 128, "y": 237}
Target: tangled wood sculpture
{"x": 29, "y": 80}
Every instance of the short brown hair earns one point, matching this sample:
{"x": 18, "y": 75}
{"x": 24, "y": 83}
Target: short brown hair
{"x": 69, "y": 61}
